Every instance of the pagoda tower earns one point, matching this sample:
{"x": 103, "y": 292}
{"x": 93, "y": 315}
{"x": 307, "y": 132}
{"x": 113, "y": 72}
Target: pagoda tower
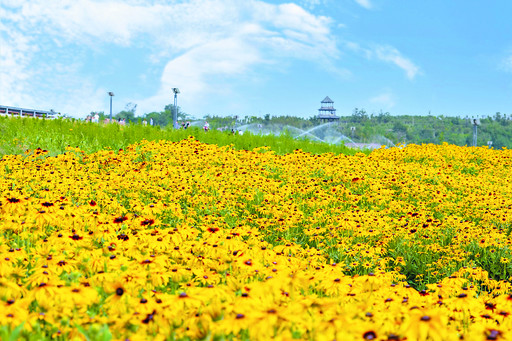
{"x": 327, "y": 113}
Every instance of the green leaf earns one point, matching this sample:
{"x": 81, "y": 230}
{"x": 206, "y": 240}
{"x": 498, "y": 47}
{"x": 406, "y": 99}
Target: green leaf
{"x": 83, "y": 332}
{"x": 16, "y": 332}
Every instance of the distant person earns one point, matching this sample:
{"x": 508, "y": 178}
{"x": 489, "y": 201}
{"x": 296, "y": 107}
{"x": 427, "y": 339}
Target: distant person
{"x": 177, "y": 125}
{"x": 151, "y": 121}
{"x": 206, "y": 126}
{"x": 145, "y": 123}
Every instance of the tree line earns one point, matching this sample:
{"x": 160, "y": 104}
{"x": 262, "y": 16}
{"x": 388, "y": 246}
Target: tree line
{"x": 159, "y": 118}
{"x": 359, "y": 126}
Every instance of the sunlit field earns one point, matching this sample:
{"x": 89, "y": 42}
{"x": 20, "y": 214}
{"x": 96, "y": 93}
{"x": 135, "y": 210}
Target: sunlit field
{"x": 186, "y": 240}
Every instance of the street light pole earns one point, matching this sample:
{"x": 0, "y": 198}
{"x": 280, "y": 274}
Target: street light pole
{"x": 175, "y": 115}
{"x": 476, "y": 123}
{"x": 111, "y": 94}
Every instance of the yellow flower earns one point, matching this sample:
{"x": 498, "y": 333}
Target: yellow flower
{"x": 198, "y": 241}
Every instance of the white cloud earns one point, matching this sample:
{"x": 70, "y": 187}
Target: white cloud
{"x": 392, "y": 55}
{"x": 357, "y": 48}
{"x": 388, "y": 54}
{"x": 506, "y": 64}
{"x": 385, "y": 100}
{"x": 273, "y": 36}
{"x": 15, "y": 59}
{"x": 88, "y": 21}
{"x": 311, "y": 3}
{"x": 365, "y": 3}
{"x": 197, "y": 40}
{"x": 194, "y": 71}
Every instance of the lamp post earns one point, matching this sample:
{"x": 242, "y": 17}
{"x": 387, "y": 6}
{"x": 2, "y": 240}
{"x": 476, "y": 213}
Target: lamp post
{"x": 476, "y": 123}
{"x": 111, "y": 94}
{"x": 176, "y": 91}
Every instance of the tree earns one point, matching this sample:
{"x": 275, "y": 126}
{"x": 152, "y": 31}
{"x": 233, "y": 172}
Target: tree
{"x": 383, "y": 117}
{"x": 101, "y": 114}
{"x": 359, "y": 115}
{"x": 182, "y": 116}
{"x": 165, "y": 117}
{"x": 128, "y": 113}
{"x": 158, "y": 118}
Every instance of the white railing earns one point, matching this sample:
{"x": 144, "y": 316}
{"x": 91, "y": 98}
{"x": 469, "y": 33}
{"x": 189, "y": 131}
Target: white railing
{"x": 22, "y": 112}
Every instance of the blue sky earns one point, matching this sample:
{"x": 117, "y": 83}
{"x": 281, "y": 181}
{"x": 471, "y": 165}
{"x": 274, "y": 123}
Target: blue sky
{"x": 253, "y": 57}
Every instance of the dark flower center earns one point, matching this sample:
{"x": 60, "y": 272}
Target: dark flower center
{"x": 493, "y": 334}
{"x": 147, "y": 222}
{"x": 119, "y": 220}
{"x": 76, "y": 237}
{"x": 149, "y": 317}
{"x": 370, "y": 335}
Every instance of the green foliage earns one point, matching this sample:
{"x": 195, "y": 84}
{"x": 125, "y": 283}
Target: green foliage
{"x": 495, "y": 260}
{"x": 365, "y": 128}
{"x": 162, "y": 118}
{"x": 360, "y": 126}
{"x": 95, "y": 333}
{"x": 236, "y": 121}
{"x": 21, "y": 134}
{"x": 12, "y": 335}
{"x": 419, "y": 263}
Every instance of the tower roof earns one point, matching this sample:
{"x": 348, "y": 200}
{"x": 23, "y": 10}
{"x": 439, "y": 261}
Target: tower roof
{"x": 327, "y": 100}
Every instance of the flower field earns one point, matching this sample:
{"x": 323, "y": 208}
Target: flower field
{"x": 186, "y": 240}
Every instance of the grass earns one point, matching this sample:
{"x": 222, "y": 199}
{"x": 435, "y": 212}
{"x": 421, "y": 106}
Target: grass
{"x": 21, "y": 134}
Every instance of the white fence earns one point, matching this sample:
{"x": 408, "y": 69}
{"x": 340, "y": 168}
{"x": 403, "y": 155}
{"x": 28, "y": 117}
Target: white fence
{"x": 21, "y": 112}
